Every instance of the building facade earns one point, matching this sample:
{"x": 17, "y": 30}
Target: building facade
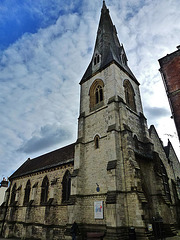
{"x": 170, "y": 71}
{"x": 116, "y": 181}
{"x": 3, "y": 188}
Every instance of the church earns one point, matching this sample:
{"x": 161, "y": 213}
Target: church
{"x": 117, "y": 181}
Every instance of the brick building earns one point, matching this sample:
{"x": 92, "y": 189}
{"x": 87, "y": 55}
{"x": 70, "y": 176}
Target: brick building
{"x": 117, "y": 180}
{"x": 170, "y": 71}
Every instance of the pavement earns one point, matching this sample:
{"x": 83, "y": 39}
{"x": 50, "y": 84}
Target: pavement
{"x": 1, "y": 238}
{"x": 177, "y": 237}
{"x": 10, "y": 238}
{"x": 169, "y": 238}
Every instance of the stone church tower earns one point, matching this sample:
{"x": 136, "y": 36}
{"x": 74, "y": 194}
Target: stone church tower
{"x": 114, "y": 150}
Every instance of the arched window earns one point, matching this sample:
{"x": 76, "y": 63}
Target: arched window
{"x": 44, "y": 190}
{"x": 66, "y": 186}
{"x": 96, "y": 141}
{"x": 129, "y": 95}
{"x": 96, "y": 59}
{"x": 96, "y": 94}
{"x": 27, "y": 192}
{"x": 13, "y": 194}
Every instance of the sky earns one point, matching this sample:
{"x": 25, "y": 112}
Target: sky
{"x": 45, "y": 48}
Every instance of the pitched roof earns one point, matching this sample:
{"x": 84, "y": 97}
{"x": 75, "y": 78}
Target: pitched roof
{"x": 49, "y": 160}
{"x": 108, "y": 46}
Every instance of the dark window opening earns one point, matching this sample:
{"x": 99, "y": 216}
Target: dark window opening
{"x": 66, "y": 187}
{"x": 136, "y": 143}
{"x": 96, "y": 59}
{"x": 13, "y": 194}
{"x": 129, "y": 95}
{"x": 44, "y": 190}
{"x": 27, "y": 192}
{"x": 96, "y": 141}
{"x": 99, "y": 94}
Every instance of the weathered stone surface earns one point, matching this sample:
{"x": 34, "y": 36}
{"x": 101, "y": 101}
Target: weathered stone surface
{"x": 126, "y": 181}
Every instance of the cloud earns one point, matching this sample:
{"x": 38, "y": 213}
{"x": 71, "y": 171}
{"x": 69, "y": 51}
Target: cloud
{"x": 41, "y": 69}
{"x": 156, "y": 112}
{"x": 39, "y": 87}
{"x": 48, "y": 136}
{"x": 30, "y": 16}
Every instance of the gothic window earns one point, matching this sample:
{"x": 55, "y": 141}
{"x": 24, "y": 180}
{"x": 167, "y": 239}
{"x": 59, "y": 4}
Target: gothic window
{"x": 34, "y": 191}
{"x": 27, "y": 192}
{"x": 96, "y": 141}
{"x": 165, "y": 182}
{"x": 136, "y": 143}
{"x": 129, "y": 95}
{"x": 124, "y": 59}
{"x": 96, "y": 59}
{"x": 44, "y": 190}
{"x": 13, "y": 194}
{"x": 66, "y": 186}
{"x": 96, "y": 94}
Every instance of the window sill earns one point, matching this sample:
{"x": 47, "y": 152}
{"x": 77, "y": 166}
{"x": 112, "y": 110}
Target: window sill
{"x": 48, "y": 203}
{"x": 97, "y": 106}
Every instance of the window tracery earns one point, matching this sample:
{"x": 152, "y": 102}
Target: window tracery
{"x": 66, "y": 186}
{"x": 27, "y": 192}
{"x": 96, "y": 94}
{"x": 129, "y": 95}
{"x": 44, "y": 190}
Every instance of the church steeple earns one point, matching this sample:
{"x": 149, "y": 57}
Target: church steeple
{"x": 107, "y": 48}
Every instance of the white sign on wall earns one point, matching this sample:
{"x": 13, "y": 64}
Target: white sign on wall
{"x": 150, "y": 228}
{"x": 98, "y": 210}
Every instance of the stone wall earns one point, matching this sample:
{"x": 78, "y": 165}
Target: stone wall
{"x": 42, "y": 221}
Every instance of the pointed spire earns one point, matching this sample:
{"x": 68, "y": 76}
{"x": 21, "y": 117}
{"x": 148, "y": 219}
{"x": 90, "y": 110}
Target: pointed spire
{"x": 107, "y": 47}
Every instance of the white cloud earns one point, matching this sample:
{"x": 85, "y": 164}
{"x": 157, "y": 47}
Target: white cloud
{"x": 49, "y": 135}
{"x": 39, "y": 74}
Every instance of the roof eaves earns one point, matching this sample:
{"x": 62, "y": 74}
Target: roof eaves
{"x": 42, "y": 169}
{"x": 127, "y": 71}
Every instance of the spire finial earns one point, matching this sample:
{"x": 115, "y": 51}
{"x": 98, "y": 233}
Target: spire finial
{"x": 104, "y": 6}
